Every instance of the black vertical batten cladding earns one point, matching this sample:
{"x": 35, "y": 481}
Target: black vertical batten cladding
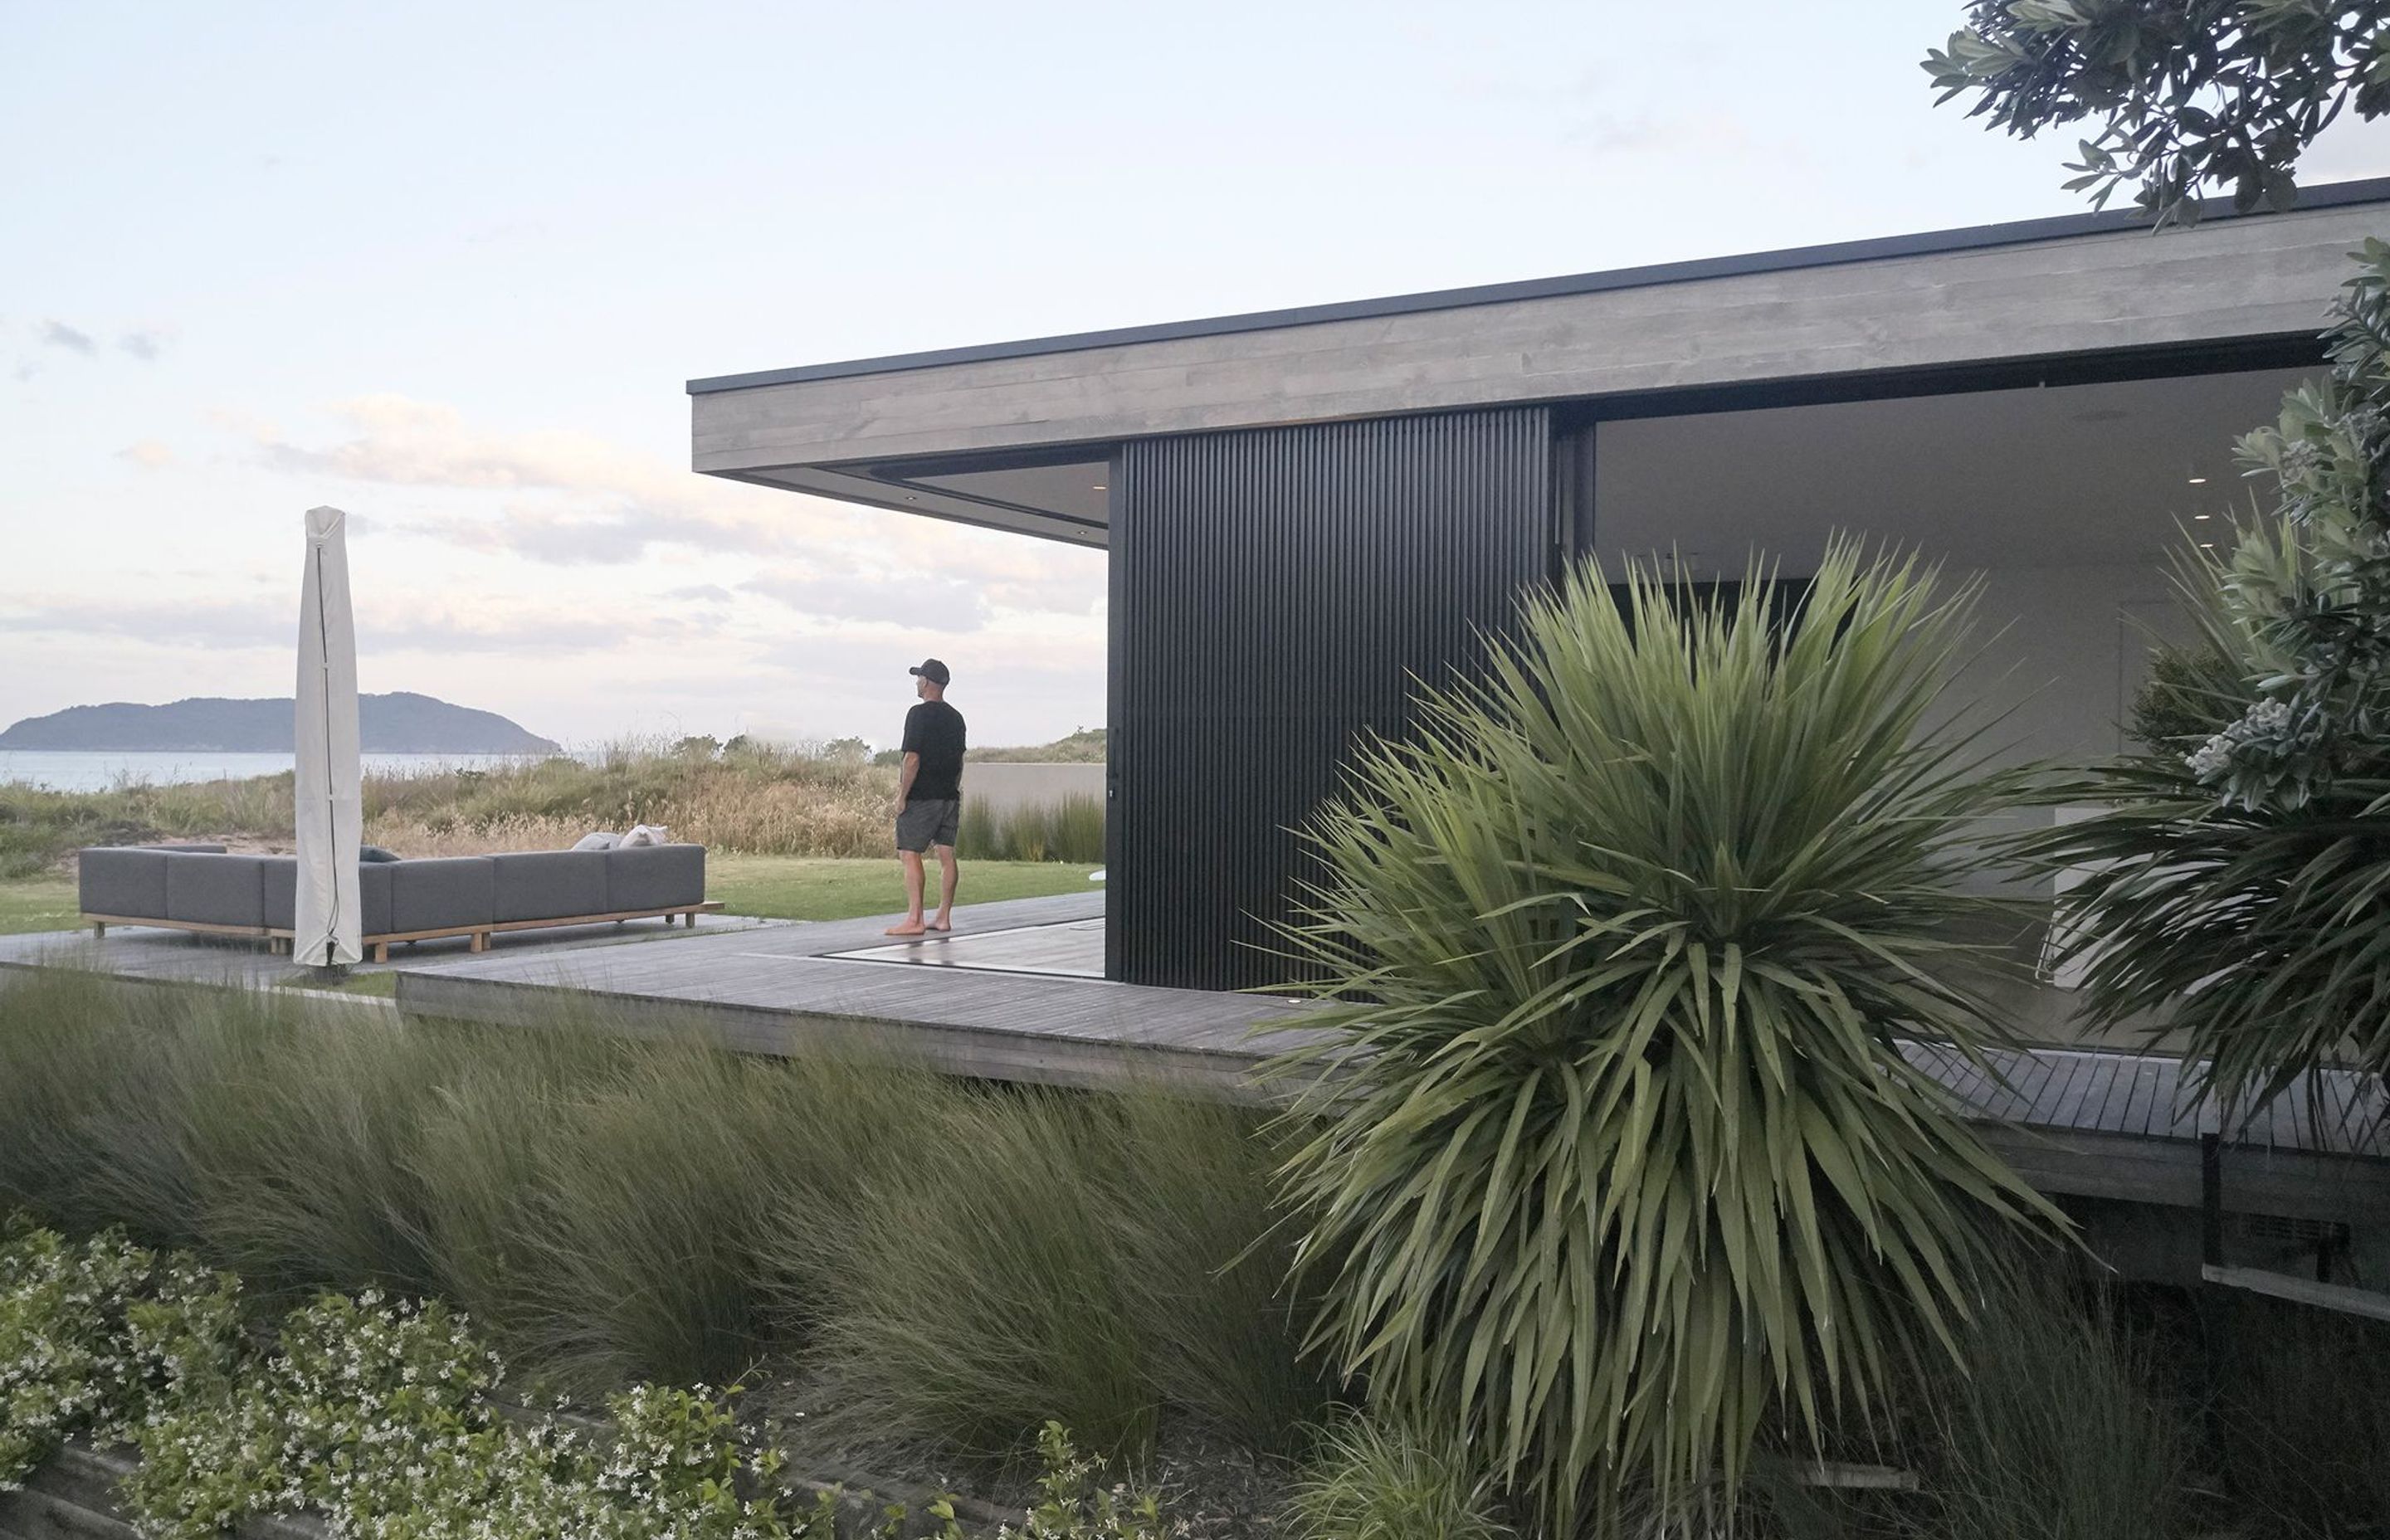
{"x": 1276, "y": 593}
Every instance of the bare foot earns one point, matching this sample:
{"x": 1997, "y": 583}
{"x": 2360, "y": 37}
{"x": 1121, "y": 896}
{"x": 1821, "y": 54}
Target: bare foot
{"x": 909, "y": 928}
{"x": 944, "y": 926}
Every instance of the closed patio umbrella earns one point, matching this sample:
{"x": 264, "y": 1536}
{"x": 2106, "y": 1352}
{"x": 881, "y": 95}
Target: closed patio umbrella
{"x": 330, "y": 801}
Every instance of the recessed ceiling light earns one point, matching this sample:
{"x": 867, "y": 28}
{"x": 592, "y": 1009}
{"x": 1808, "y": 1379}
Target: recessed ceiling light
{"x": 2203, "y": 516}
{"x": 1099, "y": 487}
{"x": 2199, "y": 480}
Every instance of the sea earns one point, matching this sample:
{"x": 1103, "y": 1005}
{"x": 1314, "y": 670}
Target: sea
{"x": 66, "y": 770}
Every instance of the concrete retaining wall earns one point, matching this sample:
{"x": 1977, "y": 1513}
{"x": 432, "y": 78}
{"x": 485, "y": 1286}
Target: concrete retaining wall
{"x": 1002, "y": 787}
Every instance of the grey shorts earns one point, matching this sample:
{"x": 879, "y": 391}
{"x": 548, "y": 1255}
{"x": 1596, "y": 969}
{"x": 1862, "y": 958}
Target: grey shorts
{"x": 922, "y": 825}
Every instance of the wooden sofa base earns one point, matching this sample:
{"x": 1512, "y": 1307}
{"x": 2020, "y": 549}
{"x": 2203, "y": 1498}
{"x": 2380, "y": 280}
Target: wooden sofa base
{"x": 280, "y": 941}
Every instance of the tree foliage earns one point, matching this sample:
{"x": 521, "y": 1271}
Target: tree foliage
{"x": 1621, "y": 1157}
{"x": 2236, "y": 888}
{"x": 2184, "y": 95}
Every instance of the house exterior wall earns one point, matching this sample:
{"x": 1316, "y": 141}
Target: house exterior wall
{"x": 1276, "y": 594}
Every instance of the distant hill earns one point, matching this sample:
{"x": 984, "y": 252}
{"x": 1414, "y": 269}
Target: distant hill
{"x": 398, "y": 723}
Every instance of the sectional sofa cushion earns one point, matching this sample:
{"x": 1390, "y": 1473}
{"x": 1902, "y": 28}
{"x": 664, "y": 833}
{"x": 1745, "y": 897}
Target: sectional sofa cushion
{"x": 282, "y": 895}
{"x": 654, "y": 877}
{"x": 550, "y": 884}
{"x": 441, "y": 894}
{"x": 123, "y": 881}
{"x": 216, "y": 890}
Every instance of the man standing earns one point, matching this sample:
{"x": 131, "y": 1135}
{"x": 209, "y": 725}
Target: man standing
{"x": 930, "y": 797}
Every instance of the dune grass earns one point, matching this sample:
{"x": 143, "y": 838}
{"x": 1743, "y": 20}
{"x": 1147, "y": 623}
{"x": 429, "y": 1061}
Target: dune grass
{"x": 752, "y": 799}
{"x": 957, "y": 1263}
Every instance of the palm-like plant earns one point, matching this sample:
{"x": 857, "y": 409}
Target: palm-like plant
{"x": 1621, "y": 1156}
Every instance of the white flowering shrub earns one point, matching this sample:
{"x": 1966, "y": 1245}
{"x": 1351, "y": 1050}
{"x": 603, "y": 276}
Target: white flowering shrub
{"x": 97, "y": 1338}
{"x": 387, "y": 1418}
{"x": 382, "y": 1416}
{"x": 1075, "y": 1504}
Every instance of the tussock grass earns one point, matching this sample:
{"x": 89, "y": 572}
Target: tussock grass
{"x": 1207, "y": 1288}
{"x": 2054, "y": 1431}
{"x": 1085, "y": 1259}
{"x": 1069, "y": 830}
{"x": 960, "y": 1263}
{"x": 978, "y": 1292}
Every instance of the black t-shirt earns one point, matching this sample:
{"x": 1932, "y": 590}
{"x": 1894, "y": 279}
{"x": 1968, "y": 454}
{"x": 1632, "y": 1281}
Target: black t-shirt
{"x": 934, "y": 731}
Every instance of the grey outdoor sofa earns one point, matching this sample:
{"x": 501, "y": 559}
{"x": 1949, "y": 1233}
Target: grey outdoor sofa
{"x": 202, "y": 888}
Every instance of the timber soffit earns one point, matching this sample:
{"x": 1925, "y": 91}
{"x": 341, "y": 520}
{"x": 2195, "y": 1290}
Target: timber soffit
{"x": 1975, "y": 238}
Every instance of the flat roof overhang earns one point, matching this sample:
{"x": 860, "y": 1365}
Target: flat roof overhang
{"x": 1016, "y": 435}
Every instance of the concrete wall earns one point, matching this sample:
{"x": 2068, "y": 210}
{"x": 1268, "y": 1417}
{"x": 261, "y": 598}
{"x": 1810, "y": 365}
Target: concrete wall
{"x": 1000, "y": 787}
{"x": 2269, "y": 276}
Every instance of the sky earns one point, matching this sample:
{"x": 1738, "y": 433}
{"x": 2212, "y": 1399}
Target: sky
{"x": 448, "y": 267}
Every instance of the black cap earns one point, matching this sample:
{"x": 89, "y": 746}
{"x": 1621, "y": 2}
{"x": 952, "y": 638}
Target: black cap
{"x": 934, "y": 672}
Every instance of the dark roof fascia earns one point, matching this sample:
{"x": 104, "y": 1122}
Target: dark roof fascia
{"x": 1975, "y": 238}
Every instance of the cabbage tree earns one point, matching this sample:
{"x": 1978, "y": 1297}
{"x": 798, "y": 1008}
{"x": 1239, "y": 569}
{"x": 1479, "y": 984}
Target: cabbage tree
{"x": 1623, "y": 1161}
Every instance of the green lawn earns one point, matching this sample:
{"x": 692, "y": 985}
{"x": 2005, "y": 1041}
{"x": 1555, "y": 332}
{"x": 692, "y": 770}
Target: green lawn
{"x": 784, "y": 887}
{"x": 788, "y": 887}
{"x": 44, "y": 903}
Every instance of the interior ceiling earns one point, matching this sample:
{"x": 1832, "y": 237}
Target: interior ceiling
{"x": 2053, "y": 476}
{"x": 1075, "y": 490}
{"x": 2064, "y": 476}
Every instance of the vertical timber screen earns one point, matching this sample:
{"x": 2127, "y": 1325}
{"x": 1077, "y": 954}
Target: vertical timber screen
{"x": 1277, "y": 593}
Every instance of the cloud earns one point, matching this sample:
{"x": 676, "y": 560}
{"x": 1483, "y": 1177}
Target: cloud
{"x": 57, "y": 334}
{"x": 701, "y": 593}
{"x": 517, "y": 636}
{"x": 940, "y": 603}
{"x": 394, "y": 627}
{"x": 142, "y": 345}
{"x": 149, "y": 455}
{"x": 215, "y": 625}
{"x": 587, "y": 500}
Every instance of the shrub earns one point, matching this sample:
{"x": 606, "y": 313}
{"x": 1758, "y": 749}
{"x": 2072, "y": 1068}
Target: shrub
{"x": 388, "y": 1417}
{"x": 383, "y": 1416}
{"x": 96, "y": 1338}
{"x": 1368, "y": 1481}
{"x": 2052, "y": 1430}
{"x": 1623, "y": 1154}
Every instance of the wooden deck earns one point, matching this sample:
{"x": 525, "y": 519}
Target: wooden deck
{"x": 1013, "y": 994}
{"x": 157, "y": 955}
{"x": 968, "y": 1003}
